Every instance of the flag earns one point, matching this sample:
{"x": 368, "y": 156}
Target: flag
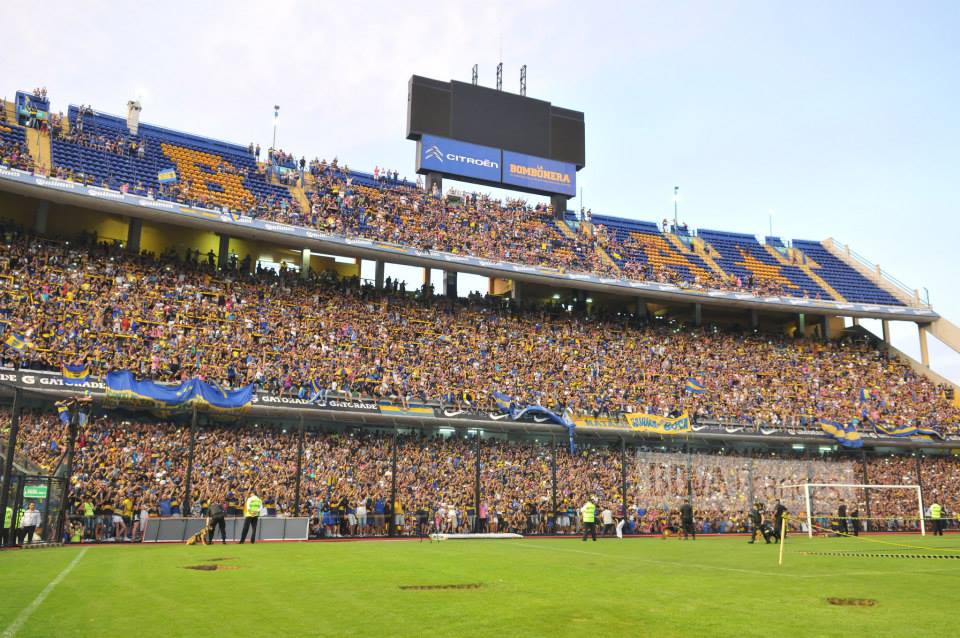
{"x": 695, "y": 386}
{"x": 864, "y": 395}
{"x": 75, "y": 374}
{"x": 17, "y": 342}
{"x": 63, "y": 413}
{"x": 906, "y": 431}
{"x": 503, "y": 402}
{"x": 167, "y": 175}
{"x": 123, "y": 383}
{"x": 844, "y": 434}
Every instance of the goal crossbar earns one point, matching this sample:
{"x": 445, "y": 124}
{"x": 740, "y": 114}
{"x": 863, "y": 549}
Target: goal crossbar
{"x": 806, "y": 493}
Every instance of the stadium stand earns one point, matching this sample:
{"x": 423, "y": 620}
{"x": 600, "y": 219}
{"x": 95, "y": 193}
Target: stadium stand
{"x": 175, "y": 317}
{"x": 847, "y": 281}
{"x": 127, "y": 466}
{"x": 100, "y": 148}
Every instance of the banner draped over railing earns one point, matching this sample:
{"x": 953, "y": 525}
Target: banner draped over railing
{"x": 652, "y": 423}
{"x": 122, "y": 383}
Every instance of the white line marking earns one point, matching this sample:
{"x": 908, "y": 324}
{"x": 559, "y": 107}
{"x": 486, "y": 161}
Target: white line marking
{"x": 17, "y": 623}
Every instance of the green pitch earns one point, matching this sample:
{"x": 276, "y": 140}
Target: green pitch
{"x": 531, "y": 587}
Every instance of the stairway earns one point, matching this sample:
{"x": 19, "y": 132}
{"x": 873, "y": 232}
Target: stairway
{"x": 607, "y": 259}
{"x": 38, "y": 143}
{"x": 301, "y": 196}
{"x": 565, "y": 229}
{"x": 701, "y": 248}
{"x": 805, "y": 267}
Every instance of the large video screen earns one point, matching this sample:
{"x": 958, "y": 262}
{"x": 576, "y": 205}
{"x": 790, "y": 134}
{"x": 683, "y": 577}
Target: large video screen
{"x": 498, "y": 119}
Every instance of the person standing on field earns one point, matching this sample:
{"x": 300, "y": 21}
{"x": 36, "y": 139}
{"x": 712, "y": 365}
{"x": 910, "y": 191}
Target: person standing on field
{"x": 588, "y": 514}
{"x": 251, "y": 516}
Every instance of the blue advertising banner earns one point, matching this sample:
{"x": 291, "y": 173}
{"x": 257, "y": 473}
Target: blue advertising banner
{"x": 458, "y": 158}
{"x": 539, "y": 173}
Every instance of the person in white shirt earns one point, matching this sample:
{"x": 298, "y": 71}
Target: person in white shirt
{"x": 29, "y": 523}
{"x": 606, "y": 516}
{"x": 361, "y": 518}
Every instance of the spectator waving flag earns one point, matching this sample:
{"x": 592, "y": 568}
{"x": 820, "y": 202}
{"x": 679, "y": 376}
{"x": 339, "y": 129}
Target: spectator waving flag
{"x": 17, "y": 342}
{"x": 864, "y": 395}
{"x": 844, "y": 434}
{"x": 75, "y": 374}
{"x": 695, "y": 386}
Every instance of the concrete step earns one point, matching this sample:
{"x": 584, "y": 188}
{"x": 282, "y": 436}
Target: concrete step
{"x": 38, "y": 143}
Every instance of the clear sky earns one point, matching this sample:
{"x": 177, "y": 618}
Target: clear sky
{"x": 839, "y": 117}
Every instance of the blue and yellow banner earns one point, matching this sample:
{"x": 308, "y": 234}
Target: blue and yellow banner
{"x": 122, "y": 383}
{"x": 906, "y": 431}
{"x": 75, "y": 374}
{"x": 167, "y": 175}
{"x": 844, "y": 434}
{"x": 654, "y": 424}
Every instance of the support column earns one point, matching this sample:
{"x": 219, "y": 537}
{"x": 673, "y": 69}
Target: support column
{"x": 8, "y": 466}
{"x": 856, "y": 321}
{"x": 391, "y": 528}
{"x": 450, "y": 283}
{"x": 378, "y": 274}
{"x": 924, "y": 355}
{"x": 516, "y": 292}
{"x": 559, "y": 203}
{"x": 754, "y": 319}
{"x": 134, "y": 232}
{"x": 40, "y": 221}
{"x": 866, "y": 493}
{"x": 697, "y": 314}
{"x": 623, "y": 475}
{"x": 802, "y": 324}
{"x": 188, "y": 482}
{"x": 223, "y": 255}
{"x": 296, "y": 497}
{"x": 427, "y": 276}
{"x": 476, "y": 484}
{"x": 886, "y": 331}
{"x": 553, "y": 484}
{"x": 68, "y": 473}
{"x": 305, "y": 263}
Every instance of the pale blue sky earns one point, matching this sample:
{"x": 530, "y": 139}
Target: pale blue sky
{"x": 840, "y": 117}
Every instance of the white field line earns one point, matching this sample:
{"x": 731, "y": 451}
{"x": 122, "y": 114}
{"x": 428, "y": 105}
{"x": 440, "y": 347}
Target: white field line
{"x": 17, "y": 623}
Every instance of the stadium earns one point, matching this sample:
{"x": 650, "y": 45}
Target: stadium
{"x": 244, "y": 388}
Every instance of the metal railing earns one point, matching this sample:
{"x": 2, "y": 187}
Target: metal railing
{"x": 912, "y": 293}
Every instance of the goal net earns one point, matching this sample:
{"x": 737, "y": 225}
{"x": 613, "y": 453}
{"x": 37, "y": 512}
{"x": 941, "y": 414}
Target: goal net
{"x": 851, "y": 508}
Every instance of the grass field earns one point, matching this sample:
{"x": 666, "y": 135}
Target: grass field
{"x": 530, "y": 587}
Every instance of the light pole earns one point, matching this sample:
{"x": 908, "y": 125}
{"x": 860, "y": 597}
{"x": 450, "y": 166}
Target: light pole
{"x": 276, "y": 116}
{"x": 676, "y": 198}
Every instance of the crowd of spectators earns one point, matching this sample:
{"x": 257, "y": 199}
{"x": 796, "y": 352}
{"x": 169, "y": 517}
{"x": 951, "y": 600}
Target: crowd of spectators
{"x": 175, "y": 317}
{"x": 129, "y": 468}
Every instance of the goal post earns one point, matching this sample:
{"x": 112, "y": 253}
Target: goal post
{"x": 808, "y": 499}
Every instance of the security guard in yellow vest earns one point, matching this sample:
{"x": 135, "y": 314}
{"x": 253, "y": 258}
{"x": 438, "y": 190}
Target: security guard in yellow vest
{"x": 251, "y": 516}
{"x": 936, "y": 513}
{"x": 588, "y": 513}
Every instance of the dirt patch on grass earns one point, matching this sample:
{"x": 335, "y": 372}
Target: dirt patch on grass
{"x": 853, "y": 602}
{"x": 435, "y": 587}
{"x": 211, "y": 568}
